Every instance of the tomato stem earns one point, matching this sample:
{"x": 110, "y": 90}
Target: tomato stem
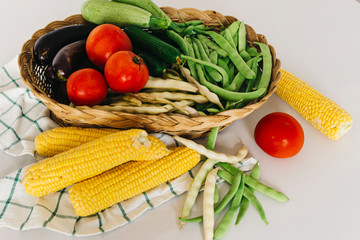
{"x": 138, "y": 60}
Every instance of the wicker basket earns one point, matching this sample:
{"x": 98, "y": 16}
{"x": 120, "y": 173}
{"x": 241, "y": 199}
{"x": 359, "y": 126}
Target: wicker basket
{"x": 172, "y": 123}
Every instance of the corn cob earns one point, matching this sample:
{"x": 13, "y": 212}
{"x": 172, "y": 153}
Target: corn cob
{"x": 129, "y": 179}
{"x": 84, "y": 161}
{"x": 323, "y": 113}
{"x": 61, "y": 139}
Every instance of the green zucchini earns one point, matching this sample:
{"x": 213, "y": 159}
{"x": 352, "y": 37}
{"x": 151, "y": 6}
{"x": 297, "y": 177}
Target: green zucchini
{"x": 157, "y": 68}
{"x": 120, "y": 14}
{"x": 153, "y": 45}
{"x": 149, "y": 6}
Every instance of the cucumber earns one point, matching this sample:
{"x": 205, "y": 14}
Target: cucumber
{"x": 157, "y": 68}
{"x": 120, "y": 14}
{"x": 149, "y": 6}
{"x": 153, "y": 45}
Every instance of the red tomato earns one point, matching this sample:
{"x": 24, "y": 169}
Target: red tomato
{"x": 125, "y": 72}
{"x": 105, "y": 40}
{"x": 86, "y": 87}
{"x": 279, "y": 135}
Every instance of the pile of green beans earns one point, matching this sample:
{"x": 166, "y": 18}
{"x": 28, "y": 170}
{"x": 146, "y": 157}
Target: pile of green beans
{"x": 237, "y": 71}
{"x": 239, "y": 195}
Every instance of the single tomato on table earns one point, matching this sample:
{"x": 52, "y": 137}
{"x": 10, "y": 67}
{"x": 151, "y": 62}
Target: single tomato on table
{"x": 103, "y": 41}
{"x": 126, "y": 72}
{"x": 279, "y": 135}
{"x": 86, "y": 87}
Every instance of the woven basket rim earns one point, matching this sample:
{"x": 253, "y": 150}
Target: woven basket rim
{"x": 223, "y": 119}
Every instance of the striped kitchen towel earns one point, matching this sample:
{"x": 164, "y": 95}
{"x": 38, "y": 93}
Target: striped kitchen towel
{"x": 22, "y": 118}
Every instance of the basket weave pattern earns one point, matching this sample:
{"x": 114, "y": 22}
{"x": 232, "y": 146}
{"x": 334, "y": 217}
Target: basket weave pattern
{"x": 172, "y": 123}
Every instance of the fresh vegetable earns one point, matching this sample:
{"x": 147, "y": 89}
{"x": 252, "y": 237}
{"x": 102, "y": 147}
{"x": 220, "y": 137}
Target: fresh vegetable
{"x": 323, "y": 113}
{"x": 220, "y": 157}
{"x": 143, "y": 109}
{"x": 60, "y": 139}
{"x": 228, "y": 218}
{"x": 68, "y": 59}
{"x": 120, "y": 14}
{"x": 47, "y": 46}
{"x": 149, "y": 6}
{"x": 130, "y": 179}
{"x": 86, "y": 87}
{"x": 208, "y": 204}
{"x": 153, "y": 45}
{"x": 279, "y": 135}
{"x": 125, "y": 72}
{"x": 157, "y": 67}
{"x": 105, "y": 40}
{"x": 79, "y": 163}
{"x": 170, "y": 85}
{"x": 245, "y": 203}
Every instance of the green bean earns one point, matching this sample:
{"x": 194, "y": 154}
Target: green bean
{"x": 245, "y": 56}
{"x": 239, "y": 78}
{"x": 206, "y": 48}
{"x": 229, "y": 216}
{"x": 194, "y": 189}
{"x": 229, "y": 38}
{"x": 254, "y": 67}
{"x": 188, "y": 23}
{"x": 228, "y": 167}
{"x": 257, "y": 80}
{"x": 252, "y": 51}
{"x": 251, "y": 182}
{"x": 210, "y": 143}
{"x": 234, "y": 27}
{"x": 213, "y": 110}
{"x": 212, "y": 45}
{"x": 208, "y": 205}
{"x": 222, "y": 63}
{"x": 235, "y": 183}
{"x": 242, "y": 37}
{"x": 233, "y": 96}
{"x": 267, "y": 66}
{"x": 245, "y": 203}
{"x": 233, "y": 55}
{"x": 268, "y": 191}
{"x": 214, "y": 57}
{"x": 216, "y": 195}
{"x": 178, "y": 40}
{"x": 232, "y": 70}
{"x": 212, "y": 72}
{"x": 192, "y": 67}
{"x": 255, "y": 202}
{"x": 225, "y": 77}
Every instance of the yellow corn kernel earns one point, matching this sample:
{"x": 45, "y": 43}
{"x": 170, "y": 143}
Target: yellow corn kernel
{"x": 61, "y": 139}
{"x": 84, "y": 161}
{"x": 156, "y": 150}
{"x": 129, "y": 179}
{"x": 323, "y": 113}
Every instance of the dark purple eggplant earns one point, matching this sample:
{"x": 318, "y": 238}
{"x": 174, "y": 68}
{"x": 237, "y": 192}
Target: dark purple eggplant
{"x": 68, "y": 59}
{"x": 59, "y": 92}
{"x": 47, "y": 46}
{"x": 49, "y": 74}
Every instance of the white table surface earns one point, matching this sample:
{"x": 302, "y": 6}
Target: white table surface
{"x": 319, "y": 41}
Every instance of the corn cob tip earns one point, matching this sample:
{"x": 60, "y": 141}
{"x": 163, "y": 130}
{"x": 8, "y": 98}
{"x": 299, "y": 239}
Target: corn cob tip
{"x": 320, "y": 111}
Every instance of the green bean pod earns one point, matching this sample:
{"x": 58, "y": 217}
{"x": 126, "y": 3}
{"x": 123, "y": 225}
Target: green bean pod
{"x": 233, "y": 55}
{"x": 228, "y": 218}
